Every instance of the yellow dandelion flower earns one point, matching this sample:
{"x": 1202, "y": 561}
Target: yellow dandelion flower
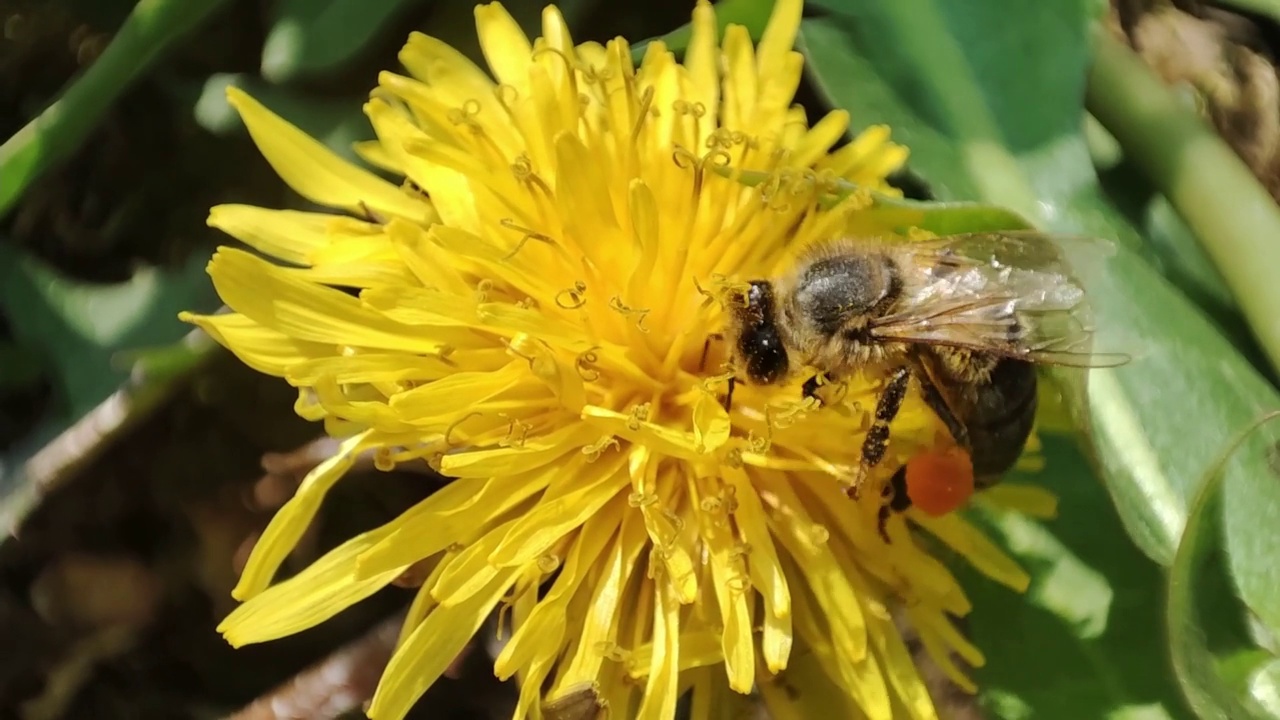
{"x": 531, "y": 318}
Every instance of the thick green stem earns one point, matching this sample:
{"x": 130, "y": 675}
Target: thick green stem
{"x": 1233, "y": 216}
{"x": 151, "y": 28}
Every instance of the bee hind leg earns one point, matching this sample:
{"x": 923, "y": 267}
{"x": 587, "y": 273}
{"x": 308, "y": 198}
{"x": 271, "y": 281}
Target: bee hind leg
{"x": 877, "y": 440}
{"x": 894, "y": 500}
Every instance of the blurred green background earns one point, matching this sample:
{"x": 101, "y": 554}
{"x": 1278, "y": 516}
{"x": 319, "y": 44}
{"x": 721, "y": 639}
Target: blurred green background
{"x": 125, "y": 446}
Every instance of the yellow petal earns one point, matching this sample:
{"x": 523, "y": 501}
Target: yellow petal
{"x": 411, "y": 244}
{"x": 807, "y": 691}
{"x": 423, "y": 602}
{"x": 293, "y": 518}
{"x": 739, "y": 78}
{"x": 304, "y": 310}
{"x": 779, "y": 35}
{"x": 659, "y": 700}
{"x": 555, "y": 31}
{"x": 449, "y": 190}
{"x": 316, "y": 173}
{"x": 456, "y": 82}
{"x": 431, "y": 648}
{"x": 372, "y": 152}
{"x": 645, "y": 236}
{"x": 900, "y": 666}
{"x": 711, "y": 426}
{"x": 820, "y": 138}
{"x": 656, "y": 497}
{"x": 765, "y": 569}
{"x": 662, "y": 438}
{"x": 586, "y": 211}
{"x": 546, "y": 625}
{"x": 471, "y": 570}
{"x": 805, "y": 541}
{"x": 711, "y": 700}
{"x": 355, "y": 275}
{"x": 859, "y": 677}
{"x": 731, "y": 588}
{"x": 928, "y": 625}
{"x": 702, "y": 55}
{"x": 1031, "y": 500}
{"x": 531, "y": 455}
{"x": 698, "y": 648}
{"x": 531, "y": 535}
{"x": 600, "y": 626}
{"x": 261, "y": 348}
{"x": 531, "y": 685}
{"x": 452, "y": 515}
{"x": 562, "y": 377}
{"x": 977, "y": 549}
{"x": 506, "y": 47}
{"x": 325, "y": 588}
{"x": 425, "y": 404}
{"x": 370, "y": 368}
{"x": 287, "y": 234}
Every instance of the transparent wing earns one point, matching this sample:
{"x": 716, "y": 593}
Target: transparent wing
{"x": 1012, "y": 294}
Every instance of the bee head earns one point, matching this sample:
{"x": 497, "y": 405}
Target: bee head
{"x": 759, "y": 343}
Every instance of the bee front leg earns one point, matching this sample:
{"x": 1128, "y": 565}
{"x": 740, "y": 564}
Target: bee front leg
{"x": 877, "y": 440}
{"x": 727, "y": 402}
{"x": 810, "y": 387}
{"x": 706, "y": 348}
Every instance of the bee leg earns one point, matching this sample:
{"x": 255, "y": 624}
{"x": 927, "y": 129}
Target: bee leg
{"x": 895, "y": 500}
{"x": 706, "y": 347}
{"x": 810, "y": 389}
{"x": 877, "y": 440}
{"x": 936, "y": 402}
{"x": 882, "y": 523}
{"x": 727, "y": 403}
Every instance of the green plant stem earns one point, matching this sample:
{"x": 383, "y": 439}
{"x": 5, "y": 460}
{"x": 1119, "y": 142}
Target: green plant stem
{"x": 1234, "y": 217}
{"x": 151, "y": 28}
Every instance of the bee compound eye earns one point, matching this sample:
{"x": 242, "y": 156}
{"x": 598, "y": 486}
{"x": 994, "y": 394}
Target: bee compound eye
{"x": 766, "y": 358}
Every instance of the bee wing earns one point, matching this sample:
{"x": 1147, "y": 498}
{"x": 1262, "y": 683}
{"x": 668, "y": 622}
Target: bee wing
{"x": 1009, "y": 294}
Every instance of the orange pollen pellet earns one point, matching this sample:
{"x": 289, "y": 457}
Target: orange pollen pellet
{"x": 940, "y": 481}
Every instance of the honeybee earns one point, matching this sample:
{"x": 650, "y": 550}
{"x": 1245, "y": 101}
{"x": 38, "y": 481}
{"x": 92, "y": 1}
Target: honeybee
{"x": 965, "y": 318}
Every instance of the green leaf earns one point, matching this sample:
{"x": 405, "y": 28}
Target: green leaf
{"x": 1204, "y": 668}
{"x": 310, "y": 38}
{"x": 81, "y": 331}
{"x": 151, "y": 29}
{"x": 899, "y": 214}
{"x": 1084, "y": 641}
